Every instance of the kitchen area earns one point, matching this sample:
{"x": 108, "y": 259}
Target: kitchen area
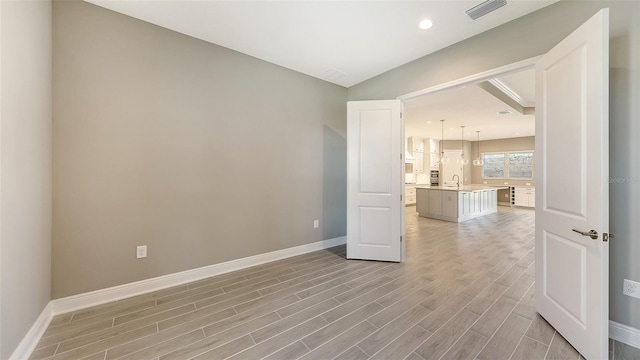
{"x": 471, "y": 149}
{"x": 421, "y": 167}
{"x": 466, "y": 189}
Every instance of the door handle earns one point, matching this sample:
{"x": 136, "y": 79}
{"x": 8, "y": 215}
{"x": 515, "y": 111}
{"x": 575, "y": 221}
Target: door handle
{"x": 592, "y": 233}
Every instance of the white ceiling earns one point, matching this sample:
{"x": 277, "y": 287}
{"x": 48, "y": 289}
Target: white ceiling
{"x": 474, "y": 108}
{"x": 325, "y": 39}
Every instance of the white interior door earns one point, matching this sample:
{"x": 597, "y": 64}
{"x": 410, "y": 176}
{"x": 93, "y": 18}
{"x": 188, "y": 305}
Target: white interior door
{"x": 375, "y": 180}
{"x": 572, "y": 166}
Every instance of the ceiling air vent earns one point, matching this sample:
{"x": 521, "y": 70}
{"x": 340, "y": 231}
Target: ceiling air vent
{"x": 485, "y": 7}
{"x": 332, "y": 74}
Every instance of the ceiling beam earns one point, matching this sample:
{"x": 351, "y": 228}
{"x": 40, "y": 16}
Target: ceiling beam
{"x": 507, "y": 98}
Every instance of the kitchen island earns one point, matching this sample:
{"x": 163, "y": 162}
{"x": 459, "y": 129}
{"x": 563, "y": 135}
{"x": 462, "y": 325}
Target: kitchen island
{"x": 457, "y": 203}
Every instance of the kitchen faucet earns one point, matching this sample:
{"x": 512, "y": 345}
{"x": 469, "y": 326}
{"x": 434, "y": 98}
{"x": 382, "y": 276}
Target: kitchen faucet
{"x": 454, "y": 177}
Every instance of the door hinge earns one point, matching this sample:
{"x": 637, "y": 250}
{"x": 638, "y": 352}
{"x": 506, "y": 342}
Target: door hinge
{"x": 606, "y": 237}
{"x": 400, "y": 115}
{"x": 400, "y": 238}
{"x": 400, "y": 197}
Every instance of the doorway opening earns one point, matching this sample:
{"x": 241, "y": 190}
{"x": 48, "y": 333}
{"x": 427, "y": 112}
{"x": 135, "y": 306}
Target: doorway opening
{"x": 484, "y": 128}
{"x": 571, "y": 288}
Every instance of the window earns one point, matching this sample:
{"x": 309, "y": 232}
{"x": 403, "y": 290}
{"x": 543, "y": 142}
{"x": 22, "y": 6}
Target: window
{"x": 521, "y": 165}
{"x": 493, "y": 166}
{"x": 508, "y": 165}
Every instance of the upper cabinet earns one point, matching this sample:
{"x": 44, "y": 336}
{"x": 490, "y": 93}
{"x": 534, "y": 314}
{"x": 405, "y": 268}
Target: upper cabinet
{"x": 416, "y": 145}
{"x": 434, "y": 146}
{"x": 425, "y": 154}
{"x": 433, "y": 161}
{"x": 418, "y": 166}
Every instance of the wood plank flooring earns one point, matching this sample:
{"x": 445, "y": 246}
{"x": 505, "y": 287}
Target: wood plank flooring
{"x": 464, "y": 292}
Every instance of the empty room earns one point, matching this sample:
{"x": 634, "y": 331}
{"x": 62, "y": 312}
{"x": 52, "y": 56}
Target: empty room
{"x": 271, "y": 179}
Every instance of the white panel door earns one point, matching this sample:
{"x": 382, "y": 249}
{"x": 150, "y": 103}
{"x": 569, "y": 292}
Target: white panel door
{"x": 375, "y": 180}
{"x": 572, "y": 134}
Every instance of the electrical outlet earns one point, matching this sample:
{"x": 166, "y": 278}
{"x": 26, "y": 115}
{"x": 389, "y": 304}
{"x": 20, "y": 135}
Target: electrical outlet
{"x": 485, "y": 182}
{"x": 316, "y": 224}
{"x": 141, "y": 251}
{"x": 631, "y": 288}
{"x": 506, "y": 183}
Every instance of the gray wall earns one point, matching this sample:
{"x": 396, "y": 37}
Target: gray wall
{"x": 202, "y": 153}
{"x": 511, "y": 144}
{"x": 25, "y": 167}
{"x": 533, "y": 35}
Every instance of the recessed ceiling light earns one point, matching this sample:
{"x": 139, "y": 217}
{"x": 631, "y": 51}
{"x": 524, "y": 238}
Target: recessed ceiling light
{"x": 504, "y": 112}
{"x": 428, "y": 122}
{"x": 425, "y": 24}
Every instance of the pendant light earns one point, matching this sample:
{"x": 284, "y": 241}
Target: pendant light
{"x": 478, "y": 161}
{"x": 442, "y": 159}
{"x": 462, "y": 160}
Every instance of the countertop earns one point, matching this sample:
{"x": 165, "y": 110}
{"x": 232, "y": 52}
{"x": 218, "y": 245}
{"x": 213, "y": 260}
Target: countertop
{"x": 465, "y": 188}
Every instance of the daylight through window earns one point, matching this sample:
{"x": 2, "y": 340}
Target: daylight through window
{"x": 508, "y": 165}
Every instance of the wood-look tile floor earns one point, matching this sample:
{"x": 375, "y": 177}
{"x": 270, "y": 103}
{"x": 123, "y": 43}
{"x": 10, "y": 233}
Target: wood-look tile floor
{"x": 464, "y": 292}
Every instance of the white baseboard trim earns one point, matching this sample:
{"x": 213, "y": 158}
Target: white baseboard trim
{"x": 81, "y": 301}
{"x": 624, "y": 334}
{"x": 31, "y": 339}
{"x": 334, "y": 242}
{"x": 93, "y": 298}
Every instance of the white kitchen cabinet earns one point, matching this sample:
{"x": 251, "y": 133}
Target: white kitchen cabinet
{"x": 466, "y": 205}
{"x": 416, "y": 145}
{"x": 524, "y": 196}
{"x": 475, "y": 205}
{"x": 431, "y": 154}
{"x": 425, "y": 154}
{"x": 418, "y": 163}
{"x": 433, "y": 161}
{"x": 409, "y": 195}
{"x": 434, "y": 146}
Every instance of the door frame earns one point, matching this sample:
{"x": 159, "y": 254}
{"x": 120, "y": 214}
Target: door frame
{"x": 526, "y": 64}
